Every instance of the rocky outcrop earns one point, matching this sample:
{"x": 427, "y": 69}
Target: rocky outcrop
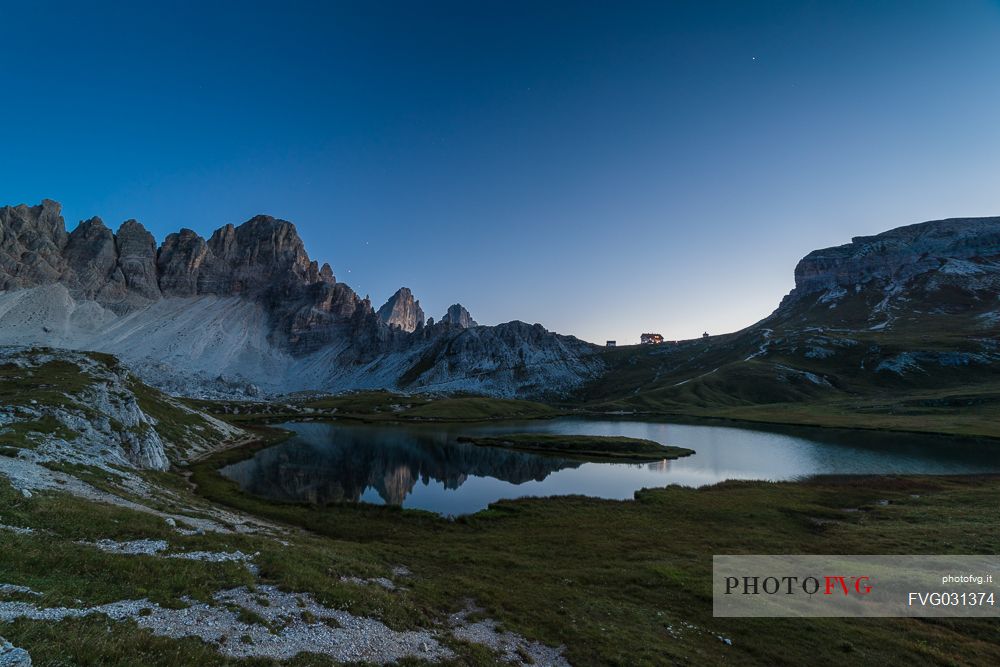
{"x": 12, "y": 656}
{"x": 898, "y": 254}
{"x": 91, "y": 262}
{"x": 32, "y": 239}
{"x": 511, "y": 359}
{"x": 99, "y": 417}
{"x": 458, "y": 316}
{"x": 104, "y": 415}
{"x": 262, "y": 257}
{"x": 179, "y": 263}
{"x": 942, "y": 268}
{"x": 265, "y": 260}
{"x": 137, "y": 259}
{"x": 402, "y": 311}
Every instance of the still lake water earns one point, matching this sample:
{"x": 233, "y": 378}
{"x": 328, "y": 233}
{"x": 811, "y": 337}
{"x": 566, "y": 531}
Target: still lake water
{"x": 424, "y": 467}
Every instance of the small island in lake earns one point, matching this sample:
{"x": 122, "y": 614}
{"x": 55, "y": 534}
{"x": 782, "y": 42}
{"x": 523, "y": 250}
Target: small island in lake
{"x": 588, "y": 447}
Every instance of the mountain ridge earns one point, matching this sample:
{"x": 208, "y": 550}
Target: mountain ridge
{"x": 247, "y": 310}
{"x": 289, "y": 324}
{"x": 891, "y": 329}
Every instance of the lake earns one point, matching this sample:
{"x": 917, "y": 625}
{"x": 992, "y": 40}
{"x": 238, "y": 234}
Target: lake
{"x": 422, "y": 466}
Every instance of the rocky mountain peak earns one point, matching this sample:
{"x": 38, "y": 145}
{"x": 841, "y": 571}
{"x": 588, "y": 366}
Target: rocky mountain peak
{"x": 132, "y": 226}
{"x": 31, "y": 242}
{"x": 93, "y": 226}
{"x": 939, "y": 268}
{"x": 457, "y": 315}
{"x": 276, "y": 318}
{"x": 263, "y": 258}
{"x": 402, "y": 311}
{"x": 137, "y": 259}
{"x": 261, "y": 255}
{"x": 179, "y": 262}
{"x": 326, "y": 274}
{"x": 91, "y": 258}
{"x": 898, "y": 254}
{"x": 261, "y": 238}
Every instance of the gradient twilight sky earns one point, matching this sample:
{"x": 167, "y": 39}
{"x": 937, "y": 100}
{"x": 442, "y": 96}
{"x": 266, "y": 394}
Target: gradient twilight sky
{"x": 602, "y": 168}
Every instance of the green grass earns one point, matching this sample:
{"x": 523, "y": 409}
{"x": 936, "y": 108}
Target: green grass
{"x": 963, "y": 411}
{"x": 607, "y": 578}
{"x": 726, "y": 377}
{"x": 24, "y": 434}
{"x": 362, "y": 402}
{"x": 378, "y": 406}
{"x": 475, "y": 408}
{"x": 52, "y": 562}
{"x": 45, "y": 384}
{"x": 587, "y": 447}
{"x": 174, "y": 424}
{"x": 98, "y": 478}
{"x": 920, "y": 412}
{"x": 617, "y": 582}
{"x": 91, "y": 642}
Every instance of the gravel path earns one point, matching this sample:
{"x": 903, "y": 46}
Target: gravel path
{"x": 133, "y": 548}
{"x": 292, "y": 623}
{"x": 157, "y": 547}
{"x": 280, "y": 625}
{"x": 12, "y": 656}
{"x": 512, "y": 647}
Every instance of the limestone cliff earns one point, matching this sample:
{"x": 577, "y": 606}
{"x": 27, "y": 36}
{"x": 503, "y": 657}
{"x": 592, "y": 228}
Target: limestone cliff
{"x": 246, "y": 307}
{"x": 402, "y": 311}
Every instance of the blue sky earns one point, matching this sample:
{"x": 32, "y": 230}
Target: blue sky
{"x": 602, "y": 168}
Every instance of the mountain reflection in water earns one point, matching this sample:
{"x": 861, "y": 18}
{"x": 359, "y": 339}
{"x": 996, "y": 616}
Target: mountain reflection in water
{"x": 329, "y": 463}
{"x": 422, "y": 466}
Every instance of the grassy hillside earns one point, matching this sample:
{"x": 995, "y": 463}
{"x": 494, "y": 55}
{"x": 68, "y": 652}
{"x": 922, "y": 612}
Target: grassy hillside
{"x": 51, "y": 398}
{"x": 378, "y": 406}
{"x": 935, "y": 373}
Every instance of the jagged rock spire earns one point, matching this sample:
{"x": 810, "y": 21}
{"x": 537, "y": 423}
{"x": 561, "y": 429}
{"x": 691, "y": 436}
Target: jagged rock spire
{"x": 457, "y": 315}
{"x": 402, "y": 311}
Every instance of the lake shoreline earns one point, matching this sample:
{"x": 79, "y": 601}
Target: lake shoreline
{"x": 458, "y": 469}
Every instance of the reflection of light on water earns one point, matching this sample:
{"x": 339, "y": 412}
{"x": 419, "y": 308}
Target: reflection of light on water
{"x": 386, "y": 464}
{"x": 659, "y": 466}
